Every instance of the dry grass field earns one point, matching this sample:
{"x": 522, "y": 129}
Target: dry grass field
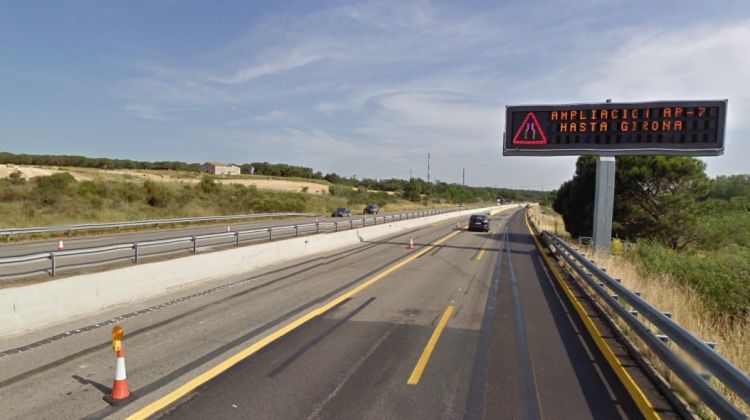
{"x": 28, "y": 172}
{"x": 84, "y": 174}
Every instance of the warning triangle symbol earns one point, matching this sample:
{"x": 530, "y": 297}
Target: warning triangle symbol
{"x": 530, "y": 132}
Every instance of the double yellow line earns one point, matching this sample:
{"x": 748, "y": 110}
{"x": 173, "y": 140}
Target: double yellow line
{"x": 221, "y": 367}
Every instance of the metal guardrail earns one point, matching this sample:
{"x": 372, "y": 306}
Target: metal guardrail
{"x": 614, "y": 294}
{"x": 154, "y": 222}
{"x": 234, "y": 237}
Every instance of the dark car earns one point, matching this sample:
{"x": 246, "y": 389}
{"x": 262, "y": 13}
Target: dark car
{"x": 479, "y": 222}
{"x": 371, "y": 209}
{"x": 342, "y": 212}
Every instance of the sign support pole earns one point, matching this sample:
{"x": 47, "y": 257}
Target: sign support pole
{"x": 604, "y": 204}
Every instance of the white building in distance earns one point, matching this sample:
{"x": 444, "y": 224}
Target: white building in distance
{"x": 218, "y": 168}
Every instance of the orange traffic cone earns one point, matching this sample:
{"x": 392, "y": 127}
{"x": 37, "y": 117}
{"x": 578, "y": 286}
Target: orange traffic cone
{"x": 120, "y": 391}
{"x": 411, "y": 243}
{"x": 60, "y": 245}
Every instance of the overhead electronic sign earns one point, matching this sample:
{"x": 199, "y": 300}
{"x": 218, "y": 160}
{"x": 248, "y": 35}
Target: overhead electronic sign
{"x": 691, "y": 128}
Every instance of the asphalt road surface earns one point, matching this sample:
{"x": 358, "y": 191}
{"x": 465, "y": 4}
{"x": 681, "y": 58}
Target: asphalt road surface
{"x": 467, "y": 325}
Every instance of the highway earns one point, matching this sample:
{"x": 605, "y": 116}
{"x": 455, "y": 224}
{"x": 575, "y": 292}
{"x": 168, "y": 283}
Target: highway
{"x": 467, "y": 325}
{"x": 73, "y": 264}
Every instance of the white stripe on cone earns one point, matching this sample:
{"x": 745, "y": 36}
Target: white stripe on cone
{"x": 120, "y": 369}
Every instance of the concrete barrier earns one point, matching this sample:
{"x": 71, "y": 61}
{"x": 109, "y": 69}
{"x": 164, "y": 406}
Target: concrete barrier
{"x": 40, "y": 305}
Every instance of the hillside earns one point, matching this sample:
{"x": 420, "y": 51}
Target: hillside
{"x": 31, "y": 196}
{"x": 297, "y": 179}
{"x": 87, "y": 174}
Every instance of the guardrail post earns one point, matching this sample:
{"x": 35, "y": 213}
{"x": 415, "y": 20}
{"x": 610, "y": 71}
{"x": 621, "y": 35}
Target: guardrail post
{"x": 336, "y": 224}
{"x": 351, "y": 224}
{"x": 270, "y": 234}
{"x": 195, "y": 243}
{"x": 317, "y": 227}
{"x": 296, "y": 230}
{"x": 236, "y": 238}
{"x": 135, "y": 252}
{"x": 54, "y": 263}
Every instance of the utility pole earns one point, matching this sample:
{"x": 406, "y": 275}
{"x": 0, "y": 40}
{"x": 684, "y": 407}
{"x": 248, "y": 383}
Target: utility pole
{"x": 410, "y": 177}
{"x": 463, "y": 177}
{"x": 428, "y": 167}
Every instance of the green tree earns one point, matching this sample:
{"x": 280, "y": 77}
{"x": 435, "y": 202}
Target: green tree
{"x": 659, "y": 197}
{"x": 655, "y": 196}
{"x": 208, "y": 185}
{"x": 413, "y": 191}
{"x": 575, "y": 198}
{"x": 727, "y": 187}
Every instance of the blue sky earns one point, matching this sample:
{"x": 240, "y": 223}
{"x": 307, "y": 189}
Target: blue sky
{"x": 357, "y": 88}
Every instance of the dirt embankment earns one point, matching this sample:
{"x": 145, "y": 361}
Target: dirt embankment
{"x": 167, "y": 176}
{"x": 28, "y": 172}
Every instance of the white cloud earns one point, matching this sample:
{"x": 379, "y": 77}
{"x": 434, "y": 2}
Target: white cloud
{"x": 441, "y": 112}
{"x": 175, "y": 92}
{"x": 277, "y": 64}
{"x": 390, "y": 16}
{"x": 147, "y": 112}
{"x": 269, "y": 117}
{"x": 700, "y": 62}
{"x": 328, "y": 107}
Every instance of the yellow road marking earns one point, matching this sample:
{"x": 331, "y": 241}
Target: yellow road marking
{"x": 644, "y": 405}
{"x": 199, "y": 380}
{"x": 479, "y": 255}
{"x": 425, "y": 357}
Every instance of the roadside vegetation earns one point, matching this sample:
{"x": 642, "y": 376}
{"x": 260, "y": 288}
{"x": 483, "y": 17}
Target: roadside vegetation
{"x": 691, "y": 236}
{"x": 693, "y": 229}
{"x": 415, "y": 190}
{"x": 87, "y": 190}
{"x": 61, "y": 199}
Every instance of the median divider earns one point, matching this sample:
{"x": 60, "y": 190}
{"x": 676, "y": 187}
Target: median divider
{"x": 41, "y": 305}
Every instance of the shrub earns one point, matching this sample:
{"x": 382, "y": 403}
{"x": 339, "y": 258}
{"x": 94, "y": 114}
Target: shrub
{"x": 208, "y": 185}
{"x": 48, "y": 189}
{"x": 156, "y": 194}
{"x": 16, "y": 178}
{"x": 720, "y": 277}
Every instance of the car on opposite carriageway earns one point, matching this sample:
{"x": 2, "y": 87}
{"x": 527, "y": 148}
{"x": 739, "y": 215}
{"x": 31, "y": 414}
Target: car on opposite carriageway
{"x": 342, "y": 212}
{"x": 371, "y": 209}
